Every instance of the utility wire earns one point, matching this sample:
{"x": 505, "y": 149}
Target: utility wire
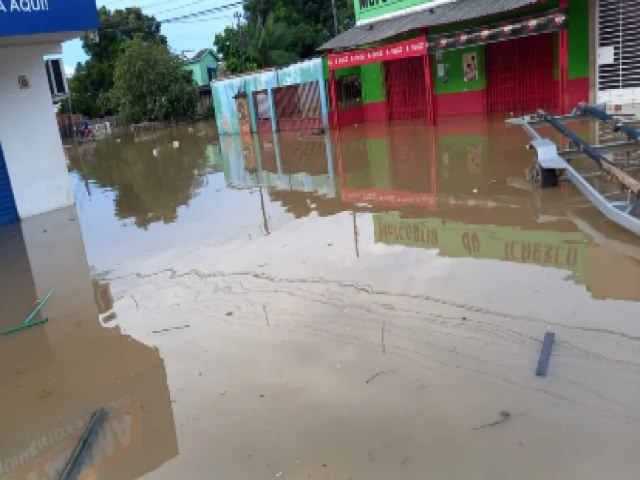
{"x": 201, "y": 13}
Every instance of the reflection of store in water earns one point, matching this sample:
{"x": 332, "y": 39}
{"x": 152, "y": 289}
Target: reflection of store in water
{"x": 54, "y": 376}
{"x": 457, "y": 197}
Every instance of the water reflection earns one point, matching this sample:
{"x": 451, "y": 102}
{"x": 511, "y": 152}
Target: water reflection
{"x": 459, "y": 188}
{"x": 151, "y": 179}
{"x": 54, "y": 376}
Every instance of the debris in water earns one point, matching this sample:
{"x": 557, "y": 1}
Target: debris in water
{"x": 176, "y": 144}
{"x": 228, "y": 314}
{"x": 545, "y": 353}
{"x": 179, "y": 327}
{"x": 266, "y": 314}
{"x": 504, "y": 416}
{"x": 92, "y": 428}
{"x": 378, "y": 374}
{"x": 405, "y": 460}
{"x": 475, "y": 190}
{"x": 28, "y": 323}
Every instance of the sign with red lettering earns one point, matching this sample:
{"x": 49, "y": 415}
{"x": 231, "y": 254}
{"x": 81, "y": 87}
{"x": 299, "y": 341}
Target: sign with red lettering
{"x": 389, "y": 198}
{"x": 408, "y": 48}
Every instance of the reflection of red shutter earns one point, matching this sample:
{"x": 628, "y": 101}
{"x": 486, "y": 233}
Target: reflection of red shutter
{"x": 406, "y": 89}
{"x": 520, "y": 74}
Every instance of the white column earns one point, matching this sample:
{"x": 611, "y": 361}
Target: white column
{"x": 29, "y": 132}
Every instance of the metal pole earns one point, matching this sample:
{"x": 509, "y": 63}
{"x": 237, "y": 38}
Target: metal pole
{"x": 629, "y": 182}
{"x": 617, "y": 124}
{"x": 335, "y": 17}
{"x": 563, "y": 65}
{"x": 240, "y": 41}
{"x": 70, "y": 119}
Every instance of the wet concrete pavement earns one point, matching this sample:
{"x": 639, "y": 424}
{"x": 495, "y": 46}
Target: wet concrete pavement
{"x": 301, "y": 306}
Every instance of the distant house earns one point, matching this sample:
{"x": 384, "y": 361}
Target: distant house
{"x": 204, "y": 68}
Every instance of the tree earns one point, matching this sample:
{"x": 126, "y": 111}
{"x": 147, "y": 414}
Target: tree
{"x": 90, "y": 84}
{"x": 228, "y": 48}
{"x": 270, "y": 43}
{"x": 150, "y": 83}
{"x": 278, "y": 32}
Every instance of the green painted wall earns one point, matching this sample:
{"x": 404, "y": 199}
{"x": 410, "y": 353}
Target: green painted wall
{"x": 373, "y": 83}
{"x": 453, "y": 79}
{"x": 578, "y": 39}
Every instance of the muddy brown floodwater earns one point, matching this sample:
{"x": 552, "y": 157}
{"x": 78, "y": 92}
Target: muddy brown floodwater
{"x": 364, "y": 306}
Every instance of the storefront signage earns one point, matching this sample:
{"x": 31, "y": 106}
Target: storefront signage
{"x": 562, "y": 250}
{"x": 370, "y": 9}
{"x": 28, "y": 17}
{"x": 408, "y": 48}
{"x": 549, "y": 21}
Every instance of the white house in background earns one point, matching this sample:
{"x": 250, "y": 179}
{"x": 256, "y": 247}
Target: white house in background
{"x": 33, "y": 171}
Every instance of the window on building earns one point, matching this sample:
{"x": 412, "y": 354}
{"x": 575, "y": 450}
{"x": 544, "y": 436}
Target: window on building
{"x": 349, "y": 91}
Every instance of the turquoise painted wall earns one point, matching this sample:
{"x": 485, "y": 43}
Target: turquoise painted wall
{"x": 223, "y": 92}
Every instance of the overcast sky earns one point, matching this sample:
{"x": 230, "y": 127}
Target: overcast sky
{"x": 181, "y": 36}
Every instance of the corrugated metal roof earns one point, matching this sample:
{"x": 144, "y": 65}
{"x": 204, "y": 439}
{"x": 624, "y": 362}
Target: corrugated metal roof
{"x": 448, "y": 13}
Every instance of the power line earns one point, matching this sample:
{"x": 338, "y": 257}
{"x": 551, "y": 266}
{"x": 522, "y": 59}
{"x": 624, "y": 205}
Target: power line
{"x": 201, "y": 13}
{"x": 180, "y": 7}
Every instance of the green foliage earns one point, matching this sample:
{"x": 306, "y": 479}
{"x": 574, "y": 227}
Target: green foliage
{"x": 279, "y": 32}
{"x": 92, "y": 82}
{"x": 152, "y": 84}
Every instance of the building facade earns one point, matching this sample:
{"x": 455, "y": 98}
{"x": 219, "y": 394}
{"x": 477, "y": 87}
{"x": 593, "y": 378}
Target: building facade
{"x": 413, "y": 59}
{"x": 33, "y": 171}
{"x": 204, "y": 68}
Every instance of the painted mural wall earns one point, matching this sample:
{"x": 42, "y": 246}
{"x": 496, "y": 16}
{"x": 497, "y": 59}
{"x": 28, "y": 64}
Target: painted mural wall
{"x": 225, "y": 93}
{"x": 224, "y": 103}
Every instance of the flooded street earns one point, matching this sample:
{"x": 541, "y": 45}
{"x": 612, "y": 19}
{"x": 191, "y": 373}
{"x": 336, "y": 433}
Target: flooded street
{"x": 367, "y": 305}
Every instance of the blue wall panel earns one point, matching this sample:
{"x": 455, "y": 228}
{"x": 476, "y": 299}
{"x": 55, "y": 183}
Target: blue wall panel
{"x": 8, "y": 211}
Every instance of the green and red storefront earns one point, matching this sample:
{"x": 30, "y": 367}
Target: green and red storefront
{"x": 410, "y": 59}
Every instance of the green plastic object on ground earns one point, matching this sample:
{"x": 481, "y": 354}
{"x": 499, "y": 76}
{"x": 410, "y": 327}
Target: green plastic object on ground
{"x": 29, "y": 322}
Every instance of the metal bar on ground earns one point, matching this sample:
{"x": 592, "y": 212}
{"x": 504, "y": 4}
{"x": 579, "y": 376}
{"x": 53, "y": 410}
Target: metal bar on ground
{"x": 94, "y": 423}
{"x": 545, "y": 353}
